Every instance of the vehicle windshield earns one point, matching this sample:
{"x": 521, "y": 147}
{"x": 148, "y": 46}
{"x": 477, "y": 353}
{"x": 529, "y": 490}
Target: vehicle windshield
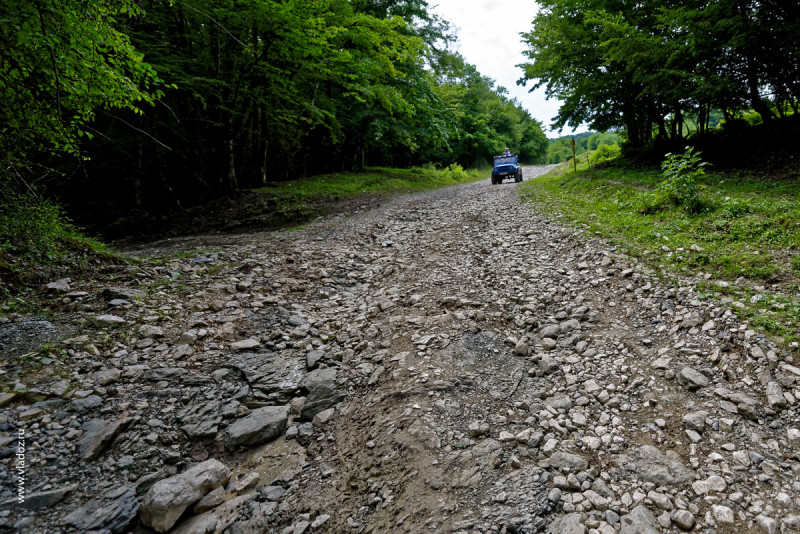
{"x": 502, "y": 160}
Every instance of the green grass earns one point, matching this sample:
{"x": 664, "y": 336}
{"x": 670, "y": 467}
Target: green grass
{"x": 37, "y": 241}
{"x": 299, "y": 200}
{"x": 748, "y": 229}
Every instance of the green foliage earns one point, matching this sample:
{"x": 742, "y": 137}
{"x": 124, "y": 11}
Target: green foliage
{"x": 34, "y": 233}
{"x": 647, "y": 66}
{"x": 277, "y": 90}
{"x": 455, "y": 172}
{"x": 754, "y": 234}
{"x": 604, "y": 154}
{"x": 62, "y": 61}
{"x": 681, "y": 172}
{"x": 484, "y": 119}
{"x": 560, "y": 149}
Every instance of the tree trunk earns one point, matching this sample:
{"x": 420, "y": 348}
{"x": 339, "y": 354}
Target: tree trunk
{"x": 138, "y": 192}
{"x": 232, "y": 184}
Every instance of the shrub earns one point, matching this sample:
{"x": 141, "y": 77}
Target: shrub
{"x": 604, "y": 153}
{"x": 680, "y": 184}
{"x": 455, "y": 172}
{"x": 795, "y": 263}
{"x": 36, "y": 231}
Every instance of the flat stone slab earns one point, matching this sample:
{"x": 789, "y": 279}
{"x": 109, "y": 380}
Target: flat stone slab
{"x": 98, "y": 434}
{"x": 275, "y": 374}
{"x": 651, "y": 465}
{"x": 263, "y": 424}
{"x": 116, "y": 515}
{"x": 639, "y": 521}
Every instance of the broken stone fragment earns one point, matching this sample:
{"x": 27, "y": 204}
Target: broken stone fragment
{"x": 639, "y": 521}
{"x": 167, "y": 499}
{"x": 59, "y": 286}
{"x": 692, "y": 379}
{"x": 98, "y": 434}
{"x": 115, "y": 512}
{"x": 775, "y": 397}
{"x": 245, "y": 344}
{"x": 108, "y": 319}
{"x": 212, "y": 499}
{"x": 122, "y": 293}
{"x": 263, "y": 424}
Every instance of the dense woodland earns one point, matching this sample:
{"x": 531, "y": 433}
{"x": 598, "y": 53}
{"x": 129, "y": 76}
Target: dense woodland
{"x": 161, "y": 104}
{"x": 647, "y": 66}
{"x": 158, "y": 105}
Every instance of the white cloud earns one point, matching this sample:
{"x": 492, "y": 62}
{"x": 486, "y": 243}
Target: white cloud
{"x": 489, "y": 38}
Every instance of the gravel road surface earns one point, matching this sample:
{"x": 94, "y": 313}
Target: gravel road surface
{"x": 449, "y": 361}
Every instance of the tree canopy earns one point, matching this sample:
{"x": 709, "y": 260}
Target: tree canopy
{"x": 61, "y": 62}
{"x": 252, "y": 92}
{"x": 645, "y": 66}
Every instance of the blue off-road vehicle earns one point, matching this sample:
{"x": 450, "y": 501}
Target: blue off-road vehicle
{"x": 506, "y": 166}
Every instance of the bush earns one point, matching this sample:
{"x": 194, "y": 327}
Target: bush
{"x": 455, "y": 172}
{"x": 680, "y": 185}
{"x": 604, "y": 154}
{"x": 36, "y": 231}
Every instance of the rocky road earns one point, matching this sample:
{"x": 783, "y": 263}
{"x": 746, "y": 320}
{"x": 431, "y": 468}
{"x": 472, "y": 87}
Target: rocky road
{"x": 450, "y": 361}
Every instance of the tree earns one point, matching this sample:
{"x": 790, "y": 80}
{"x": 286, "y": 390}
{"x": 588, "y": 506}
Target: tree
{"x": 62, "y": 61}
{"x": 645, "y": 66}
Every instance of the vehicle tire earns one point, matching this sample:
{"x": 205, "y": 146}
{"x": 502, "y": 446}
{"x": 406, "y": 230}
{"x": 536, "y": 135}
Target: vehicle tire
{"x": 494, "y": 181}
{"x": 518, "y": 177}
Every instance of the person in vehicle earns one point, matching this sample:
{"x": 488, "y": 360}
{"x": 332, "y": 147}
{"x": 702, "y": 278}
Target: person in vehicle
{"x": 506, "y": 153}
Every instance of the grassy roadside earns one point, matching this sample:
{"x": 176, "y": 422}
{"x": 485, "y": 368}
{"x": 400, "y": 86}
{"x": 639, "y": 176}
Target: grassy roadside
{"x": 299, "y": 200}
{"x": 742, "y": 248}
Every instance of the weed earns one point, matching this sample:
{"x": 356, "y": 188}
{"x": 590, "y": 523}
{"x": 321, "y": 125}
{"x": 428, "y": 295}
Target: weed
{"x": 680, "y": 186}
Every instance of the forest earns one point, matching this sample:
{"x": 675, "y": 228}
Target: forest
{"x": 119, "y": 107}
{"x": 159, "y": 105}
{"x": 648, "y": 67}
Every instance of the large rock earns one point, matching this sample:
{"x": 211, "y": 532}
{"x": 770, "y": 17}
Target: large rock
{"x": 692, "y": 379}
{"x": 567, "y": 462}
{"x": 320, "y": 399}
{"x": 695, "y": 421}
{"x": 568, "y": 524}
{"x": 263, "y": 424}
{"x": 276, "y": 376}
{"x": 651, "y": 465}
{"x": 775, "y": 397}
{"x": 98, "y": 434}
{"x": 639, "y": 521}
{"x": 122, "y": 293}
{"x": 319, "y": 377}
{"x": 168, "y": 499}
{"x": 550, "y": 331}
{"x": 85, "y": 404}
{"x": 116, "y": 512}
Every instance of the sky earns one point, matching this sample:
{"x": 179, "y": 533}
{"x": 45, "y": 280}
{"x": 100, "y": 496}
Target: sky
{"x": 489, "y": 37}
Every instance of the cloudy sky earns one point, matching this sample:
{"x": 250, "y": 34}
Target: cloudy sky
{"x": 488, "y": 37}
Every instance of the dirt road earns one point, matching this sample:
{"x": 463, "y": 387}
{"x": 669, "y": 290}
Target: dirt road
{"x": 450, "y": 362}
